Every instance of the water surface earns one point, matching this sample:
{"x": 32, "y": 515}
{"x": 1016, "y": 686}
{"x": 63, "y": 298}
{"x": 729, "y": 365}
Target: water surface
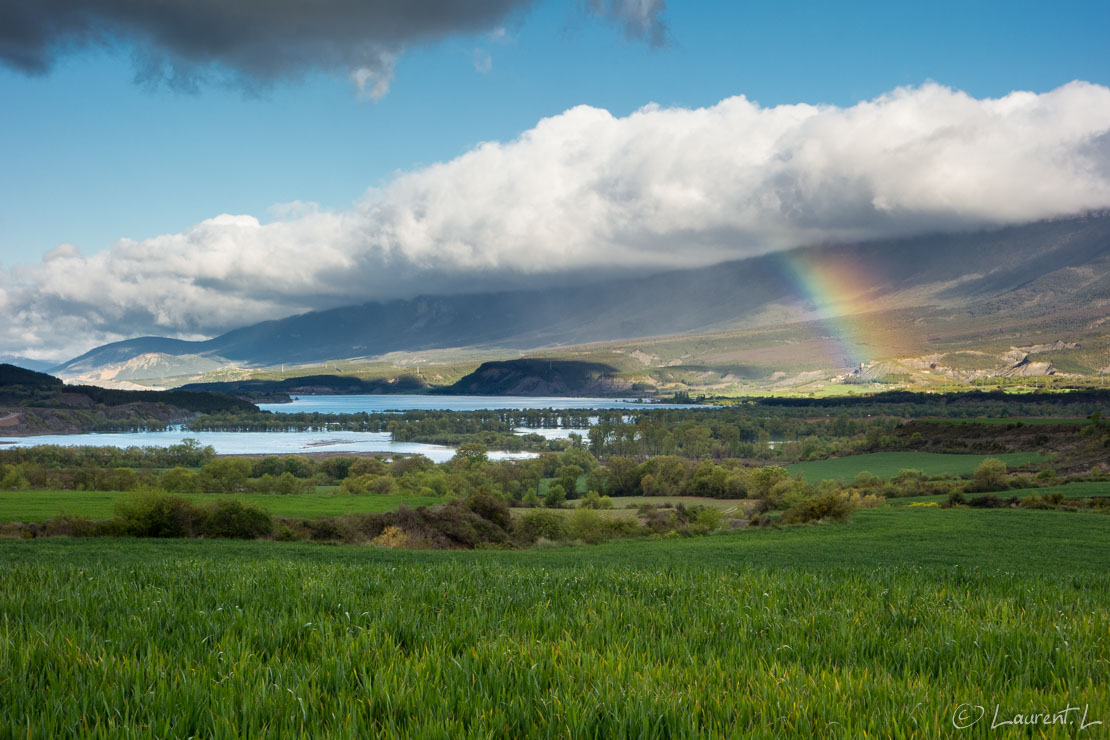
{"x": 264, "y": 443}
{"x": 256, "y": 443}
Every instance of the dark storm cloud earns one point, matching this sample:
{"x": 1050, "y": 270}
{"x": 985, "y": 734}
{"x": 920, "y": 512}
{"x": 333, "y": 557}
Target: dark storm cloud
{"x": 642, "y": 19}
{"x": 250, "y": 42}
{"x": 253, "y": 40}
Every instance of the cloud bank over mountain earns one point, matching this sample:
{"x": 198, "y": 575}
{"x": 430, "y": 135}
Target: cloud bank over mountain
{"x": 586, "y": 192}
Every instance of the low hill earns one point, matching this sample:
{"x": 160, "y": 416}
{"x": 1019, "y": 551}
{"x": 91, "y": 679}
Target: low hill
{"x": 12, "y": 376}
{"x": 310, "y": 385}
{"x": 36, "y": 403}
{"x": 533, "y": 377}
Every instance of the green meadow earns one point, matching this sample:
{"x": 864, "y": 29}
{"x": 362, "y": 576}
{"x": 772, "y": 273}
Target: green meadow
{"x": 881, "y": 627}
{"x": 36, "y": 506}
{"x": 1086, "y": 489}
{"x": 1008, "y": 420}
{"x": 887, "y": 464}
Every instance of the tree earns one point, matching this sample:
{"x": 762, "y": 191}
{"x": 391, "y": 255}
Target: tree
{"x": 556, "y": 496}
{"x": 766, "y": 478}
{"x": 226, "y": 474}
{"x": 471, "y": 455}
{"x": 990, "y": 475}
{"x": 623, "y": 477}
{"x": 568, "y": 478}
{"x": 178, "y": 480}
{"x": 367, "y": 466}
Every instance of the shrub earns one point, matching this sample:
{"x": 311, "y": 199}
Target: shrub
{"x": 117, "y": 479}
{"x": 157, "y": 514}
{"x": 709, "y": 519}
{"x": 491, "y": 509}
{"x": 587, "y": 525}
{"x": 766, "y": 478}
{"x": 178, "y": 480}
{"x": 226, "y": 475}
{"x": 537, "y": 525}
{"x": 990, "y": 475}
{"x": 621, "y": 526}
{"x": 866, "y": 479}
{"x": 67, "y": 525}
{"x": 329, "y": 528}
{"x": 367, "y": 466}
{"x": 369, "y": 483}
{"x": 14, "y": 480}
{"x": 395, "y": 537}
{"x": 786, "y": 494}
{"x": 235, "y": 520}
{"x": 909, "y": 482}
{"x": 865, "y": 501}
{"x": 832, "y": 506}
{"x": 284, "y": 533}
{"x": 593, "y": 501}
{"x": 989, "y": 501}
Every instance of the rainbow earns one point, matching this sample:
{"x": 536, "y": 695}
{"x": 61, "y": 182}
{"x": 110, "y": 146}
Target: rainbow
{"x": 839, "y": 292}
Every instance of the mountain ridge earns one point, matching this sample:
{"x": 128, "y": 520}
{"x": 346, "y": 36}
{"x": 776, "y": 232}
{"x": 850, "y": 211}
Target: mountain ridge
{"x": 1033, "y": 269}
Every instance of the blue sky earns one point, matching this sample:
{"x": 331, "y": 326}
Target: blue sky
{"x": 90, "y": 157}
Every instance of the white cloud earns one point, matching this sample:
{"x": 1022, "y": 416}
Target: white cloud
{"x": 586, "y": 191}
{"x": 374, "y": 80}
{"x": 483, "y": 61}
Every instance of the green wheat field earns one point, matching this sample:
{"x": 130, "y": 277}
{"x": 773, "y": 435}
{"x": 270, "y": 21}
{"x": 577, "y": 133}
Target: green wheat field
{"x": 881, "y": 627}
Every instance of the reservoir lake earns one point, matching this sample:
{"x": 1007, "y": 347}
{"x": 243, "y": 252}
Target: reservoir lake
{"x": 261, "y": 443}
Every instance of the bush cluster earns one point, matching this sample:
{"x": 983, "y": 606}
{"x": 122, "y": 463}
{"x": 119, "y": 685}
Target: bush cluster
{"x": 158, "y": 514}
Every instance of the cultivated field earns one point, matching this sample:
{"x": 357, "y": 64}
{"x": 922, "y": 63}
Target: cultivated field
{"x": 887, "y": 464}
{"x": 1089, "y": 489}
{"x": 881, "y": 627}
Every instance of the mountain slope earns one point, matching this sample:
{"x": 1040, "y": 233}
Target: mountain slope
{"x": 1045, "y": 269}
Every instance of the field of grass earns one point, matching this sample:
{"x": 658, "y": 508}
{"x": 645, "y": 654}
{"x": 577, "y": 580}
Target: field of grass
{"x": 1007, "y": 420}
{"x": 887, "y": 464}
{"x": 725, "y": 504}
{"x": 545, "y": 483}
{"x": 877, "y": 628}
{"x": 1091, "y": 489}
{"x": 628, "y": 505}
{"x": 36, "y": 506}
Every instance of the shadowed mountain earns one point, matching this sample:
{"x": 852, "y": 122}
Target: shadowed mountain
{"x": 311, "y": 385}
{"x": 537, "y": 377}
{"x": 1038, "y": 269}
